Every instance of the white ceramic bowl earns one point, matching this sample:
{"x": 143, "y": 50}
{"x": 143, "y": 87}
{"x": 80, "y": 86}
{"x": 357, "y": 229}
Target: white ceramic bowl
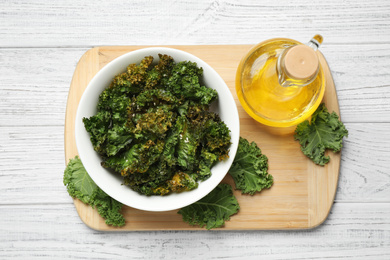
{"x": 112, "y": 184}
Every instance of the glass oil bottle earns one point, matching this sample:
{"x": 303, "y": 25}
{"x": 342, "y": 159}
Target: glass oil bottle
{"x": 280, "y": 82}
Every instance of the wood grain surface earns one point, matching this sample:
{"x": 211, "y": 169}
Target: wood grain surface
{"x": 303, "y": 192}
{"x": 190, "y": 22}
{"x": 40, "y": 45}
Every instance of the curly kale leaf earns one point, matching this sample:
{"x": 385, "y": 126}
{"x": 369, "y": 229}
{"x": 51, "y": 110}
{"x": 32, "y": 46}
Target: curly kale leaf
{"x": 155, "y": 97}
{"x": 129, "y": 82}
{"x": 97, "y": 127}
{"x": 137, "y": 159}
{"x": 168, "y": 154}
{"x": 118, "y": 137}
{"x": 152, "y": 182}
{"x": 189, "y": 139}
{"x": 107, "y": 139}
{"x": 215, "y": 146}
{"x": 159, "y": 75}
{"x": 78, "y": 182}
{"x": 80, "y": 185}
{"x": 195, "y": 111}
{"x": 213, "y": 210}
{"x": 218, "y": 138}
{"x": 250, "y": 168}
{"x": 114, "y": 101}
{"x": 108, "y": 131}
{"x": 208, "y": 159}
{"x": 325, "y": 131}
{"x": 136, "y": 74}
{"x": 109, "y": 209}
{"x": 156, "y": 121}
{"x": 182, "y": 182}
{"x": 185, "y": 81}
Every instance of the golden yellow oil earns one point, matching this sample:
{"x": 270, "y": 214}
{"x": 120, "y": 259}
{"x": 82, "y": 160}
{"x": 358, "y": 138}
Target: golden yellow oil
{"x": 261, "y": 95}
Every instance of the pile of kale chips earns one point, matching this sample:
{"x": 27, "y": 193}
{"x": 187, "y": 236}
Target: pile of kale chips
{"x": 153, "y": 126}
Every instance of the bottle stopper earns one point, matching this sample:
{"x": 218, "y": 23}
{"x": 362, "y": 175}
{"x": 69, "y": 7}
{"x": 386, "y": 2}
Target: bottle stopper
{"x": 301, "y": 62}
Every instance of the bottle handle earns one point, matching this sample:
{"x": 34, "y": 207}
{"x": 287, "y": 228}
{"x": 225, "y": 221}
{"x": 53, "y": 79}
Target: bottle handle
{"x": 315, "y": 42}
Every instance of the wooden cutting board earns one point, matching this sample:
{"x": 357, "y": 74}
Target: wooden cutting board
{"x": 302, "y": 194}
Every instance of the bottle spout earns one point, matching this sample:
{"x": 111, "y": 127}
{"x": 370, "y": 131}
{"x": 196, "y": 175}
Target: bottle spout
{"x": 315, "y": 42}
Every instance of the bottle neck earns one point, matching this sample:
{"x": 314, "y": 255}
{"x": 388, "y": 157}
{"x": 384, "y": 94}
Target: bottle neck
{"x": 298, "y": 66}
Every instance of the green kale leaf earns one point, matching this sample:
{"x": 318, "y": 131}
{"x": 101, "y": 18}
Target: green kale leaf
{"x": 137, "y": 159}
{"x": 250, "y": 168}
{"x": 189, "y": 139}
{"x": 109, "y": 209}
{"x": 78, "y": 182}
{"x": 108, "y": 131}
{"x": 168, "y": 154}
{"x": 97, "y": 126}
{"x": 217, "y": 138}
{"x": 80, "y": 185}
{"x": 160, "y": 73}
{"x": 325, "y": 131}
{"x": 185, "y": 81}
{"x": 156, "y": 121}
{"x": 213, "y": 210}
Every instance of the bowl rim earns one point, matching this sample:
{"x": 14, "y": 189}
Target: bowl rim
{"x": 215, "y": 178}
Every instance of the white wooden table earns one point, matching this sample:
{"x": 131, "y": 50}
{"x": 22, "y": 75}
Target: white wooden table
{"x": 40, "y": 44}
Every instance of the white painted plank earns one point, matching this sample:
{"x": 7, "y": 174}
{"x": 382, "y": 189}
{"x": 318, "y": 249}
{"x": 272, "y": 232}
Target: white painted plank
{"x": 34, "y": 83}
{"x": 353, "y": 231}
{"x": 361, "y": 74}
{"x": 32, "y": 164}
{"x": 365, "y": 163}
{"x": 74, "y": 23}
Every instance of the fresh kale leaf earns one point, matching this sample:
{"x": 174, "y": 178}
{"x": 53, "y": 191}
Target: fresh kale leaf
{"x": 325, "y": 131}
{"x": 213, "y": 210}
{"x": 80, "y": 185}
{"x": 109, "y": 209}
{"x": 78, "y": 182}
{"x": 250, "y": 168}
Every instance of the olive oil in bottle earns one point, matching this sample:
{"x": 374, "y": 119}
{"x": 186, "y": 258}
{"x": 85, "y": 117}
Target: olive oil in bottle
{"x": 280, "y": 82}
